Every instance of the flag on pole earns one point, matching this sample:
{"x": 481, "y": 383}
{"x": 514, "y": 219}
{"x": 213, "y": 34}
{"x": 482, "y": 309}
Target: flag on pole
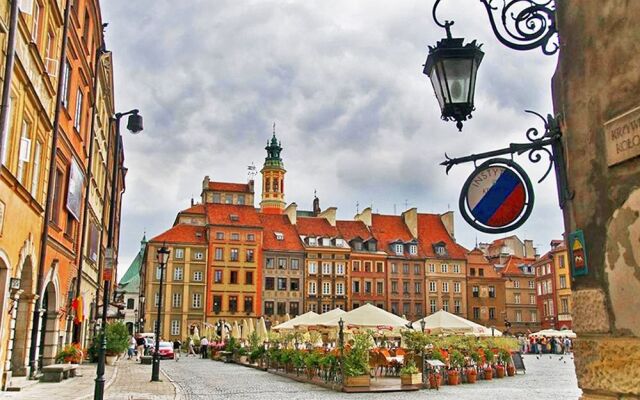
{"x": 77, "y": 305}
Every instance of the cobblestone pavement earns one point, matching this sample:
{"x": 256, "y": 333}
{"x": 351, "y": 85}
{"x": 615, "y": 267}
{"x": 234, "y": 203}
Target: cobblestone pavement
{"x": 547, "y": 378}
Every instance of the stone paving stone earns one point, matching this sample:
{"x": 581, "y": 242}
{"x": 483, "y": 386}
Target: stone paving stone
{"x": 547, "y": 378}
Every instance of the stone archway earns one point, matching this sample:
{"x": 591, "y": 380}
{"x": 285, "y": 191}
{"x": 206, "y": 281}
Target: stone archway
{"x": 23, "y": 315}
{"x": 5, "y": 301}
{"x": 48, "y": 344}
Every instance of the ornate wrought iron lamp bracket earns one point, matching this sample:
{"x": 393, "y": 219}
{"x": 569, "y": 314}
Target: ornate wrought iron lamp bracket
{"x": 524, "y": 24}
{"x": 549, "y": 143}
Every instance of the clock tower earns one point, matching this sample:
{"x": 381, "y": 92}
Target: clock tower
{"x": 273, "y": 178}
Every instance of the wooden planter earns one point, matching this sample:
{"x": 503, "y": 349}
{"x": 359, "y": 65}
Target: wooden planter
{"x": 357, "y": 381}
{"x": 411, "y": 379}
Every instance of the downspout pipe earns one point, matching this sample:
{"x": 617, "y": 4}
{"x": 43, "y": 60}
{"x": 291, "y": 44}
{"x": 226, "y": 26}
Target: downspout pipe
{"x": 8, "y": 72}
{"x": 50, "y": 189}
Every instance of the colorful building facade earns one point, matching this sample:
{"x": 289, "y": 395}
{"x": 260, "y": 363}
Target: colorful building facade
{"x": 485, "y": 291}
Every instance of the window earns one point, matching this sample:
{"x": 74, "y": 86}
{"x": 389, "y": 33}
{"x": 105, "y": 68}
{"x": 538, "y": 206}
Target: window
{"x": 405, "y": 287}
{"x": 367, "y": 287}
{"x": 250, "y": 236}
{"x": 339, "y": 243}
{"x": 219, "y": 254}
{"x": 472, "y": 272}
{"x": 417, "y": 286}
{"x": 326, "y": 288}
{"x": 518, "y": 316}
{"x": 158, "y": 272}
{"x": 77, "y": 121}
{"x": 394, "y": 286}
{"x": 326, "y": 307}
{"x": 233, "y": 303}
{"x": 476, "y": 313}
{"x": 228, "y": 199}
{"x": 313, "y": 267}
{"x": 355, "y": 286}
{"x": 312, "y": 241}
{"x": 282, "y": 308}
{"x": 492, "y": 291}
{"x": 456, "y": 268}
{"x": 444, "y": 268}
{"x": 66, "y": 82}
{"x": 282, "y": 283}
{"x": 197, "y": 276}
{"x": 282, "y": 263}
{"x": 130, "y": 304}
{"x": 156, "y": 299}
{"x": 475, "y": 290}
{"x": 24, "y": 152}
{"x": 268, "y": 307}
{"x": 380, "y": 287}
{"x": 269, "y": 283}
{"x": 216, "y": 198}
{"x": 249, "y": 255}
{"x": 405, "y": 269}
{"x": 326, "y": 268}
{"x": 416, "y": 269}
{"x": 394, "y": 307}
{"x": 561, "y": 261}
{"x": 492, "y": 313}
{"x": 176, "y": 300}
{"x": 217, "y": 276}
{"x": 516, "y": 284}
{"x": 177, "y": 274}
{"x": 413, "y": 249}
{"x": 295, "y": 263}
{"x": 219, "y": 235}
{"x": 340, "y": 288}
{"x": 440, "y": 250}
{"x": 357, "y": 245}
{"x": 539, "y": 289}
{"x": 533, "y": 315}
{"x": 445, "y": 305}
{"x": 35, "y": 17}
{"x": 248, "y": 304}
{"x": 563, "y": 282}
{"x": 532, "y": 284}
{"x": 235, "y": 236}
{"x": 233, "y": 277}
{"x": 432, "y": 268}
{"x": 217, "y": 303}
{"x": 355, "y": 266}
{"x": 551, "y": 308}
{"x": 457, "y": 287}
{"x": 433, "y": 286}
{"x": 240, "y": 199}
{"x": 198, "y": 255}
{"x": 399, "y": 249}
{"x": 196, "y": 301}
{"x": 175, "y": 327}
{"x": 269, "y": 262}
{"x": 516, "y": 298}
{"x": 326, "y": 242}
{"x": 418, "y": 307}
{"x": 457, "y": 306}
{"x": 234, "y": 254}
{"x": 445, "y": 287}
{"x": 339, "y": 269}
{"x": 379, "y": 267}
{"x": 294, "y": 284}
{"x": 532, "y": 299}
{"x": 312, "y": 288}
{"x": 248, "y": 278}
{"x": 35, "y": 177}
{"x": 178, "y": 254}
{"x": 394, "y": 268}
{"x": 433, "y": 306}
{"x": 294, "y": 308}
{"x": 480, "y": 271}
{"x": 406, "y": 308}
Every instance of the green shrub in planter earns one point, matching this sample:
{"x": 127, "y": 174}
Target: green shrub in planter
{"x": 117, "y": 338}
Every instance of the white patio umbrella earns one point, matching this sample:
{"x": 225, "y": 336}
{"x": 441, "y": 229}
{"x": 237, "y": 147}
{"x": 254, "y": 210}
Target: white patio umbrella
{"x": 445, "y": 322}
{"x": 261, "y": 329}
{"x": 235, "y": 330}
{"x": 244, "y": 335}
{"x": 300, "y": 319}
{"x": 369, "y": 316}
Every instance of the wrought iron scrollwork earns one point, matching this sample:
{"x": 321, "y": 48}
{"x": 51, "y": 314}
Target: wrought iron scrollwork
{"x": 527, "y": 24}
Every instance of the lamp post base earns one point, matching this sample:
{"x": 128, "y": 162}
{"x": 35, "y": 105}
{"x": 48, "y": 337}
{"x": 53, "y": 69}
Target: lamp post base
{"x": 155, "y": 369}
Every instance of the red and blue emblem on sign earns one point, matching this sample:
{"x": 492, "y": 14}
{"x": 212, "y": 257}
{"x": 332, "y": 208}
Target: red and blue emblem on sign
{"x": 497, "y": 197}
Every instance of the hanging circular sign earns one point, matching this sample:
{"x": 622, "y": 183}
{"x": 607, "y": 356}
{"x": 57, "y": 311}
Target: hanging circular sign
{"x": 497, "y": 197}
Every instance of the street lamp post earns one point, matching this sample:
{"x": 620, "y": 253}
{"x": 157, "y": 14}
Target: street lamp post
{"x": 423, "y": 323}
{"x": 134, "y": 124}
{"x": 341, "y": 344}
{"x": 162, "y": 258}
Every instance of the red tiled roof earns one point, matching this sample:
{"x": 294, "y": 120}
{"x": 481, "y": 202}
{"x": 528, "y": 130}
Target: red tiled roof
{"x": 312, "y": 226}
{"x": 390, "y": 228}
{"x": 280, "y": 223}
{"x": 229, "y": 187}
{"x": 196, "y": 209}
{"x": 511, "y": 266}
{"x": 477, "y": 259}
{"x": 431, "y": 230}
{"x": 223, "y": 214}
{"x": 182, "y": 233}
{"x": 352, "y": 229}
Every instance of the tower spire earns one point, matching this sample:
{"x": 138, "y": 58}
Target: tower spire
{"x": 273, "y": 177}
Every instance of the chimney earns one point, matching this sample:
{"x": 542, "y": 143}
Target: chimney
{"x": 330, "y": 215}
{"x": 251, "y": 185}
{"x": 364, "y": 216}
{"x": 447, "y": 221}
{"x": 291, "y": 212}
{"x": 192, "y": 202}
{"x": 410, "y": 218}
{"x": 205, "y": 183}
{"x": 529, "y": 250}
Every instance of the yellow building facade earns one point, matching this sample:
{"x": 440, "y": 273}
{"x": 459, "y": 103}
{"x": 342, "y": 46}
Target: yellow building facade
{"x": 563, "y": 287}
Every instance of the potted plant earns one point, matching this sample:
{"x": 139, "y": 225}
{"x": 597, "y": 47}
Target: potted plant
{"x": 409, "y": 374}
{"x": 488, "y": 372}
{"x": 71, "y": 353}
{"x": 356, "y": 362}
{"x": 117, "y": 341}
{"x": 435, "y": 378}
{"x": 456, "y": 361}
{"x": 311, "y": 363}
{"x": 243, "y": 353}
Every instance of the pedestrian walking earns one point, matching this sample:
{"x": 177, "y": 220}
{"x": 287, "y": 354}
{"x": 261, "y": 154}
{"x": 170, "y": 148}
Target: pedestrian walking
{"x": 204, "y": 346}
{"x": 567, "y": 345}
{"x": 177, "y": 344}
{"x": 131, "y": 351}
{"x": 191, "y": 350}
{"x": 140, "y": 344}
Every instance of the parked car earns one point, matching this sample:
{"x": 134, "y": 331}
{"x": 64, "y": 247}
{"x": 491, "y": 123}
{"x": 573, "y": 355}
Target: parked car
{"x": 166, "y": 350}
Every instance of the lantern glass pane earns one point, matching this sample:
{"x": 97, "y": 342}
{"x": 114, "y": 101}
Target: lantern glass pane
{"x": 458, "y": 71}
{"x": 437, "y": 83}
{"x": 472, "y": 85}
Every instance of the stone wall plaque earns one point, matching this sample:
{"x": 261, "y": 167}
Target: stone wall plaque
{"x": 622, "y": 137}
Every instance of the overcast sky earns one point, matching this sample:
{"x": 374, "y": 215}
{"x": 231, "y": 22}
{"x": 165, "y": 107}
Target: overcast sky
{"x": 343, "y": 82}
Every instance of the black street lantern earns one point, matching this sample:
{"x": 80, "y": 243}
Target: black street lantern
{"x": 452, "y": 68}
{"x": 162, "y": 257}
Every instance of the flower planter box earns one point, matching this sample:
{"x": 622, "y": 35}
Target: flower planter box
{"x": 357, "y": 381}
{"x": 411, "y": 379}
{"x": 111, "y": 360}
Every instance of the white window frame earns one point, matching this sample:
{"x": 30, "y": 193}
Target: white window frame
{"x": 196, "y": 300}
{"x": 313, "y": 267}
{"x": 198, "y": 255}
{"x": 445, "y": 305}
{"x": 35, "y": 176}
{"x": 197, "y": 276}
{"x": 433, "y": 286}
{"x": 340, "y": 269}
{"x": 77, "y": 118}
{"x": 413, "y": 249}
{"x": 178, "y": 274}
{"x": 444, "y": 268}
{"x": 326, "y": 268}
{"x": 312, "y": 286}
{"x": 176, "y": 300}
{"x": 456, "y": 268}
{"x": 432, "y": 268}
{"x": 326, "y": 288}
{"x": 179, "y": 254}
{"x": 457, "y": 287}
{"x": 445, "y": 287}
{"x": 398, "y": 249}
{"x": 339, "y": 288}
{"x": 175, "y": 327}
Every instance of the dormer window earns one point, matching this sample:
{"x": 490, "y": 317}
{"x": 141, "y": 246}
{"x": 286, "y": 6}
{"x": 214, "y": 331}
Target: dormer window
{"x": 440, "y": 250}
{"x": 326, "y": 242}
{"x": 357, "y": 245}
{"x": 371, "y": 246}
{"x": 399, "y": 249}
{"x": 198, "y": 234}
{"x": 234, "y": 217}
{"x": 279, "y": 235}
{"x": 339, "y": 242}
{"x": 312, "y": 241}
{"x": 413, "y": 249}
